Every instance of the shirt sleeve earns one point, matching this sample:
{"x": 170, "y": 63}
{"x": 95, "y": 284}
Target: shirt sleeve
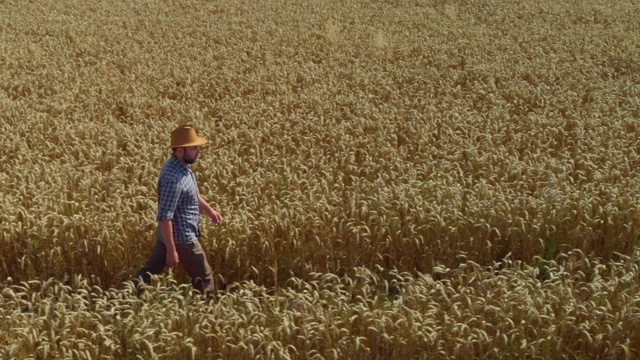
{"x": 168, "y": 195}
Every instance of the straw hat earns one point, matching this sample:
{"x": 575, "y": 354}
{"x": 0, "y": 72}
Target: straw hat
{"x": 186, "y": 136}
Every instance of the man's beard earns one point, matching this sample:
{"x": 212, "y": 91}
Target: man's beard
{"x": 189, "y": 160}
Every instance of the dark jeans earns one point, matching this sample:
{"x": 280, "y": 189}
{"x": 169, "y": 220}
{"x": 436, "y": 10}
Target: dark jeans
{"x": 192, "y": 259}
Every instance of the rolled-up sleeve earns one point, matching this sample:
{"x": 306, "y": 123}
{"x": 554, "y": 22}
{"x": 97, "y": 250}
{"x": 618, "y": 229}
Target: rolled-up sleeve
{"x": 168, "y": 195}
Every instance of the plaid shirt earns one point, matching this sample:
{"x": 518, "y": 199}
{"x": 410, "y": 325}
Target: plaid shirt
{"x": 178, "y": 201}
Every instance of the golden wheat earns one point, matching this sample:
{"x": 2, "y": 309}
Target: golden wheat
{"x": 509, "y": 309}
{"x": 424, "y": 179}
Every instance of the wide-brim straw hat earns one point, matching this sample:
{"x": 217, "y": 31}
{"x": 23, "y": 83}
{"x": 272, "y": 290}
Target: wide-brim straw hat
{"x": 186, "y": 136}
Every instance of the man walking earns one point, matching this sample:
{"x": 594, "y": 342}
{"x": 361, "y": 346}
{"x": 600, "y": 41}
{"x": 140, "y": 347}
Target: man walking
{"x": 179, "y": 208}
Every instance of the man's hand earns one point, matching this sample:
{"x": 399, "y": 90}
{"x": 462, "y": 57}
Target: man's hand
{"x": 172, "y": 258}
{"x": 205, "y": 208}
{"x": 215, "y": 216}
{"x": 166, "y": 232}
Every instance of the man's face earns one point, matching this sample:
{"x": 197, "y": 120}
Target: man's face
{"x": 190, "y": 154}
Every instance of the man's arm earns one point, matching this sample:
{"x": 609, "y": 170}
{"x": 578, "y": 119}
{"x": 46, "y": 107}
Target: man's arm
{"x": 168, "y": 194}
{"x": 166, "y": 231}
{"x": 205, "y": 208}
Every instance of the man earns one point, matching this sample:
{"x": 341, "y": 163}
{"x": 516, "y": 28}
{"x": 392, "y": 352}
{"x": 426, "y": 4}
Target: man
{"x": 179, "y": 208}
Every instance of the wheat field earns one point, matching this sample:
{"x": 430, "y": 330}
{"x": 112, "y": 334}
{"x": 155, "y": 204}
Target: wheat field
{"x": 429, "y": 179}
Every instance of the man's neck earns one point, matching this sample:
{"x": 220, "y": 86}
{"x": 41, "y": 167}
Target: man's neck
{"x": 181, "y": 161}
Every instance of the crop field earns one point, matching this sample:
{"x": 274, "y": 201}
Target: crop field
{"x": 425, "y": 179}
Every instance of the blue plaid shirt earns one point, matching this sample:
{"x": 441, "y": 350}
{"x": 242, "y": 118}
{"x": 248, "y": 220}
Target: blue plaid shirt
{"x": 178, "y": 201}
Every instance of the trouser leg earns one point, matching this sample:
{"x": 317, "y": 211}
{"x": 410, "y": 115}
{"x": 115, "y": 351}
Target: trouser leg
{"x": 155, "y": 264}
{"x": 194, "y": 261}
